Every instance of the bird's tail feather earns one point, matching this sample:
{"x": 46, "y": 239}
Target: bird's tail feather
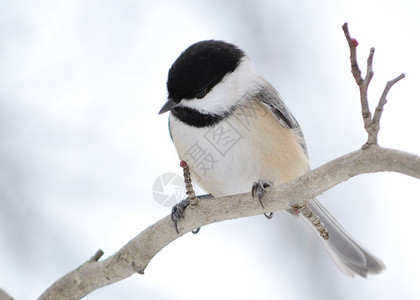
{"x": 345, "y": 251}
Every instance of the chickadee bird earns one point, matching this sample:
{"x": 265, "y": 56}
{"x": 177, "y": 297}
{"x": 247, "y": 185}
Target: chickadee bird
{"x": 236, "y": 134}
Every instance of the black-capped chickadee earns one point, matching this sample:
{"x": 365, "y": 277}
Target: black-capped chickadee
{"x": 236, "y": 134}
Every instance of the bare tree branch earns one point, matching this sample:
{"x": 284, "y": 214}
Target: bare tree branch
{"x": 4, "y": 295}
{"x": 136, "y": 254}
{"x": 380, "y": 108}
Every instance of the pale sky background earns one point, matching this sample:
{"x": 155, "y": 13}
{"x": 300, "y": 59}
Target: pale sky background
{"x": 81, "y": 144}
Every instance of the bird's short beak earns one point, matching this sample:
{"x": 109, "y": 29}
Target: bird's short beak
{"x": 168, "y": 106}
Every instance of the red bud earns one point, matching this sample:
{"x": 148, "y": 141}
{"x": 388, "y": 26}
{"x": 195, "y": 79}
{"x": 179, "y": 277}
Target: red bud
{"x": 354, "y": 43}
{"x": 183, "y": 164}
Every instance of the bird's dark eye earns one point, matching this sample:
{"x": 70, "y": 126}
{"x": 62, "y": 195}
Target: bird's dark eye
{"x": 201, "y": 94}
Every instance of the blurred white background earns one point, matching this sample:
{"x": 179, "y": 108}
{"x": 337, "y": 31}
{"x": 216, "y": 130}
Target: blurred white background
{"x": 81, "y": 143}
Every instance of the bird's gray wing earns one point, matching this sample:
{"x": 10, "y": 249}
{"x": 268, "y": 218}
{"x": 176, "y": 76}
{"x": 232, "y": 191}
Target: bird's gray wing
{"x": 270, "y": 97}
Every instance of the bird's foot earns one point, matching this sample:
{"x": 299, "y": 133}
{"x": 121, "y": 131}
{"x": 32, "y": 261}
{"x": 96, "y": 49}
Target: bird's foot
{"x": 178, "y": 211}
{"x": 258, "y": 188}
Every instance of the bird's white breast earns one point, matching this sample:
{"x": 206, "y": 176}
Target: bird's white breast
{"x": 247, "y": 146}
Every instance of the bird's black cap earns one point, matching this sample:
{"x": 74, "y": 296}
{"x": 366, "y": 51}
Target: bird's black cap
{"x": 200, "y": 67}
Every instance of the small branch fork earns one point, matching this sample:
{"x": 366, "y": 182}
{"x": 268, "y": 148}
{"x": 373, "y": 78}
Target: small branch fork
{"x": 371, "y": 124}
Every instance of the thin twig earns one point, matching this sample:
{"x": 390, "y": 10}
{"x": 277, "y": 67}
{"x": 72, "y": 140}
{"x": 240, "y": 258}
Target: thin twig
{"x": 188, "y": 185}
{"x": 353, "y": 57}
{"x": 314, "y": 219}
{"x": 364, "y": 88}
{"x": 97, "y": 256}
{"x": 371, "y": 124}
{"x": 363, "y": 83}
{"x": 382, "y": 101}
